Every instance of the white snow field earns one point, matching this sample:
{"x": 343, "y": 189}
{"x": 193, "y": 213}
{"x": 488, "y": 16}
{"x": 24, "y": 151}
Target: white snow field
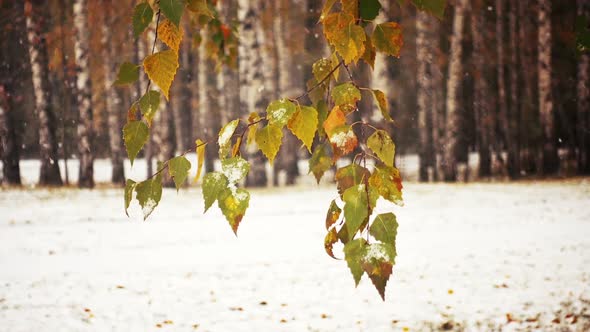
{"x": 473, "y": 257}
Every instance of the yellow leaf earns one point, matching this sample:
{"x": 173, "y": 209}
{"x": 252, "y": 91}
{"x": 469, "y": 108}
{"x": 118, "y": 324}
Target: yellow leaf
{"x": 200, "y": 157}
{"x": 303, "y": 124}
{"x": 335, "y": 119}
{"x": 269, "y": 140}
{"x": 347, "y": 38}
{"x": 161, "y": 68}
{"x": 254, "y": 117}
{"x": 388, "y": 39}
{"x": 236, "y": 150}
{"x": 170, "y": 34}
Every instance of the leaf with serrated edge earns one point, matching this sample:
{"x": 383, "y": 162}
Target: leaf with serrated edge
{"x": 333, "y": 214}
{"x": 382, "y": 145}
{"x": 200, "y": 151}
{"x": 199, "y": 7}
{"x": 345, "y": 93}
{"x": 235, "y": 169}
{"x": 135, "y": 135}
{"x": 378, "y": 262}
{"x": 225, "y": 135}
{"x": 129, "y": 188}
{"x": 269, "y": 141}
{"x": 329, "y": 241}
{"x": 173, "y": 9}
{"x": 335, "y": 119}
{"x": 384, "y": 228}
{"x": 343, "y": 141}
{"x": 387, "y": 38}
{"x": 149, "y": 104}
{"x": 142, "y": 17}
{"x": 213, "y": 184}
{"x": 149, "y": 193}
{"x": 170, "y": 34}
{"x": 233, "y": 205}
{"x": 382, "y": 103}
{"x": 303, "y": 124}
{"x": 388, "y": 183}
{"x": 320, "y": 161}
{"x": 351, "y": 175}
{"x": 178, "y": 168}
{"x": 355, "y": 208}
{"x": 347, "y": 38}
{"x": 279, "y": 112}
{"x": 128, "y": 73}
{"x": 354, "y": 251}
{"x": 161, "y": 68}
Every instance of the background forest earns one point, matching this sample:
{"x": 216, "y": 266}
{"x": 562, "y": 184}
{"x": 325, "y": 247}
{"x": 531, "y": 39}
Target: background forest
{"x": 519, "y": 107}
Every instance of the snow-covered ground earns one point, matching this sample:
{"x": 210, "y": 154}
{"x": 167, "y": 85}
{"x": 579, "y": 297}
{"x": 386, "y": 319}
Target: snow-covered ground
{"x": 470, "y": 257}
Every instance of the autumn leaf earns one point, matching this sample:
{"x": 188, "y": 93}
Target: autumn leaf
{"x": 161, "y": 68}
{"x": 346, "y": 37}
{"x": 329, "y": 241}
{"x": 388, "y": 183}
{"x": 382, "y": 145}
{"x": 128, "y": 73}
{"x": 269, "y": 141}
{"x": 369, "y": 9}
{"x": 370, "y": 53}
{"x": 433, "y": 7}
{"x": 235, "y": 169}
{"x": 326, "y": 9}
{"x": 149, "y": 193}
{"x": 345, "y": 93}
{"x": 333, "y": 214}
{"x": 351, "y": 175}
{"x": 303, "y": 124}
{"x": 335, "y": 119}
{"x": 135, "y": 135}
{"x": 178, "y": 168}
{"x": 142, "y": 17}
{"x": 343, "y": 141}
{"x": 354, "y": 252}
{"x": 382, "y": 104}
{"x": 387, "y": 38}
{"x": 200, "y": 150}
{"x": 252, "y": 119}
{"x": 384, "y": 228}
{"x": 351, "y": 7}
{"x": 320, "y": 161}
{"x": 129, "y": 188}
{"x": 279, "y": 112}
{"x": 213, "y": 184}
{"x": 378, "y": 262}
{"x": 170, "y": 34}
{"x": 321, "y": 69}
{"x": 224, "y": 138}
{"x": 233, "y": 205}
{"x": 355, "y": 208}
{"x": 149, "y": 104}
{"x": 173, "y": 10}
{"x": 199, "y": 7}
{"x": 322, "y": 109}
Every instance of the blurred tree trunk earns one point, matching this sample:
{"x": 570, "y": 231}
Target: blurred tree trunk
{"x": 453, "y": 120}
{"x": 229, "y": 78}
{"x": 513, "y": 142}
{"x": 69, "y": 91}
{"x": 549, "y": 152}
{"x": 502, "y": 103}
{"x": 113, "y": 100}
{"x": 84, "y": 102}
{"x": 194, "y": 87}
{"x": 37, "y": 28}
{"x": 181, "y": 94}
{"x": 251, "y": 79}
{"x": 583, "y": 100}
{"x": 140, "y": 88}
{"x": 483, "y": 108}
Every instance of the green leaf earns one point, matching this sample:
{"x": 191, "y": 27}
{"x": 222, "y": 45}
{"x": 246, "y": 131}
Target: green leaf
{"x": 321, "y": 69}
{"x": 329, "y": 241}
{"x": 322, "y": 109}
{"x": 303, "y": 124}
{"x": 135, "y": 135}
{"x": 142, "y": 17}
{"x": 199, "y": 7}
{"x": 346, "y": 93}
{"x": 320, "y": 161}
{"x": 279, "y": 112}
{"x": 173, "y": 10}
{"x": 269, "y": 141}
{"x": 382, "y": 103}
{"x": 350, "y": 176}
{"x": 388, "y": 183}
{"x": 382, "y": 145}
{"x": 387, "y": 38}
{"x": 149, "y": 104}
{"x": 149, "y": 193}
{"x": 178, "y": 168}
{"x": 213, "y": 184}
{"x": 355, "y": 208}
{"x": 316, "y": 93}
{"x": 354, "y": 251}
{"x": 378, "y": 262}
{"x": 369, "y": 9}
{"x": 346, "y": 37}
{"x": 433, "y": 7}
{"x": 235, "y": 169}
{"x": 384, "y": 228}
{"x": 233, "y": 205}
{"x": 333, "y": 214}
{"x": 128, "y": 73}
{"x": 129, "y": 188}
{"x": 225, "y": 135}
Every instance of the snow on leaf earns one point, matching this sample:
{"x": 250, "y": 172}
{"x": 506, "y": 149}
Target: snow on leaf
{"x": 382, "y": 145}
{"x": 170, "y": 34}
{"x": 213, "y": 184}
{"x": 355, "y": 208}
{"x": 387, "y": 38}
{"x": 142, "y": 17}
{"x": 161, "y": 68}
{"x": 384, "y": 228}
{"x": 382, "y": 104}
{"x": 335, "y": 119}
{"x": 351, "y": 175}
{"x": 333, "y": 214}
{"x": 354, "y": 252}
{"x": 178, "y": 168}
{"x": 128, "y": 73}
{"x": 149, "y": 193}
{"x": 135, "y": 135}
{"x": 388, "y": 183}
{"x": 200, "y": 150}
{"x": 225, "y": 135}
{"x": 303, "y": 124}
{"x": 235, "y": 169}
{"x": 149, "y": 104}
{"x": 173, "y": 10}
{"x": 329, "y": 241}
{"x": 320, "y": 161}
{"x": 343, "y": 141}
{"x": 279, "y": 112}
{"x": 378, "y": 263}
{"x": 321, "y": 69}
{"x": 346, "y": 93}
{"x": 129, "y": 188}
{"x": 346, "y": 37}
{"x": 233, "y": 205}
{"x": 269, "y": 141}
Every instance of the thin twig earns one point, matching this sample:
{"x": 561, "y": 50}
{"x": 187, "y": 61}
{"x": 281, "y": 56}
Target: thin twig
{"x": 320, "y": 82}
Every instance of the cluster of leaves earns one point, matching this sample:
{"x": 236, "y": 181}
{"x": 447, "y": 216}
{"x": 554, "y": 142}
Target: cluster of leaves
{"x": 368, "y": 240}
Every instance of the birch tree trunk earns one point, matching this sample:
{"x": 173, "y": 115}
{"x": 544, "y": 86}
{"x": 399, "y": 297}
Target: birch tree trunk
{"x": 583, "y": 101}
{"x": 9, "y": 149}
{"x": 230, "y": 100}
{"x": 113, "y": 100}
{"x": 513, "y": 142}
{"x": 181, "y": 95}
{"x": 85, "y": 130}
{"x": 502, "y": 103}
{"x": 37, "y": 28}
{"x": 453, "y": 120}
{"x": 549, "y": 153}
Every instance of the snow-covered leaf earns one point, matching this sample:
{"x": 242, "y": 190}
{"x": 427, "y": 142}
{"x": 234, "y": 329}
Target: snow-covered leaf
{"x": 225, "y": 136}
{"x": 279, "y": 112}
{"x": 235, "y": 169}
{"x": 233, "y": 205}
{"x": 213, "y": 184}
